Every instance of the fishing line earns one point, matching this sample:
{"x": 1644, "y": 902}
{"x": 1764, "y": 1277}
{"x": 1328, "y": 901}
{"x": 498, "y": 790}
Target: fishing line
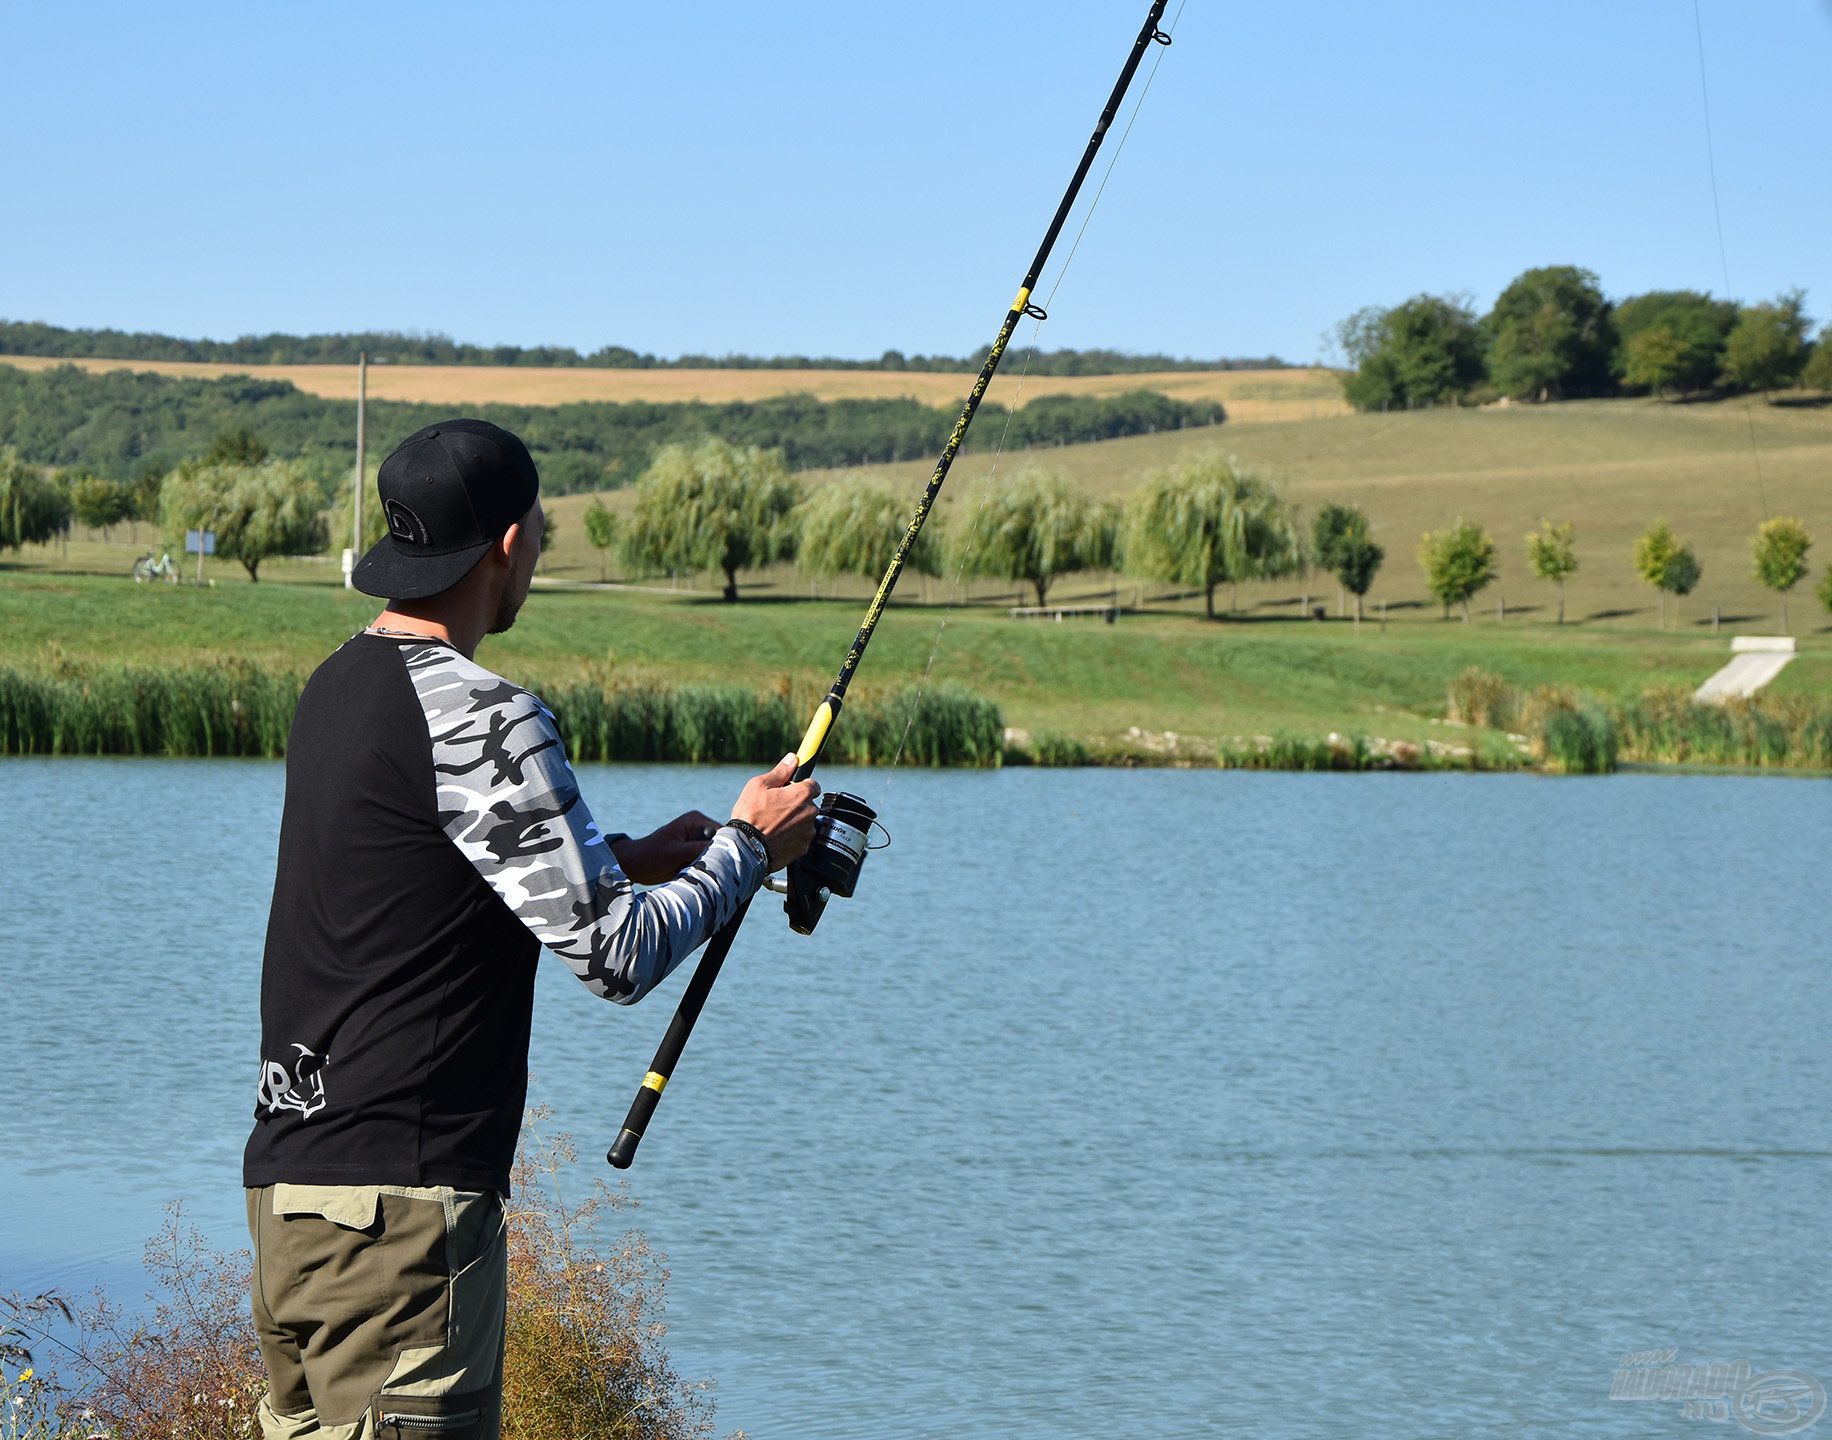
{"x": 1717, "y": 211}
{"x": 1011, "y": 413}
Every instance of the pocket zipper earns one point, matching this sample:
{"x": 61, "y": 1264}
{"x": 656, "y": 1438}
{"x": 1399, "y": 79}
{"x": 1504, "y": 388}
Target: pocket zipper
{"x": 430, "y": 1422}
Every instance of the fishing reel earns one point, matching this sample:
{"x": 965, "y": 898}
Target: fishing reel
{"x": 842, "y": 830}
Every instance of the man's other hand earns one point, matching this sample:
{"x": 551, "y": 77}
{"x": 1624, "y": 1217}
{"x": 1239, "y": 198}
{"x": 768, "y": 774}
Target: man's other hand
{"x": 783, "y": 809}
{"x": 658, "y": 857}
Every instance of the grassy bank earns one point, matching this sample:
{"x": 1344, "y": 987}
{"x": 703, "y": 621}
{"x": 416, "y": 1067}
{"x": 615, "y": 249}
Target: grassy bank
{"x": 1154, "y": 687}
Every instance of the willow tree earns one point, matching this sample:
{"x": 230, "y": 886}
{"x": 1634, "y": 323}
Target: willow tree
{"x": 852, "y": 527}
{"x": 713, "y": 506}
{"x": 1210, "y": 522}
{"x": 257, "y": 511}
{"x": 33, "y": 510}
{"x": 1036, "y": 528}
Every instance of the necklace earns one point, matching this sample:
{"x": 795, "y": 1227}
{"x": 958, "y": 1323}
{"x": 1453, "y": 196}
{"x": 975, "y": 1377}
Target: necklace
{"x": 406, "y": 634}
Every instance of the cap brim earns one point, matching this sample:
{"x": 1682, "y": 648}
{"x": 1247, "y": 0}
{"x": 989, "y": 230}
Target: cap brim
{"x": 390, "y": 573}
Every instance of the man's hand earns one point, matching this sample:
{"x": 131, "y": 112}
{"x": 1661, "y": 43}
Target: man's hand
{"x": 657, "y": 858}
{"x": 783, "y": 809}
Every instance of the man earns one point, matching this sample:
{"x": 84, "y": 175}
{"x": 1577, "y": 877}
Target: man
{"x": 433, "y": 840}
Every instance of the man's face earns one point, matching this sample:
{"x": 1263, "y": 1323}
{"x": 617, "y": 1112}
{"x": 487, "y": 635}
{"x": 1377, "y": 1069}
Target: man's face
{"x": 522, "y": 557}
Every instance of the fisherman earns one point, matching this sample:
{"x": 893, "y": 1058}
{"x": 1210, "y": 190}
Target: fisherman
{"x": 433, "y": 839}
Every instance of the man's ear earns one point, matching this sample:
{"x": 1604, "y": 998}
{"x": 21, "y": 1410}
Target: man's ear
{"x": 504, "y": 549}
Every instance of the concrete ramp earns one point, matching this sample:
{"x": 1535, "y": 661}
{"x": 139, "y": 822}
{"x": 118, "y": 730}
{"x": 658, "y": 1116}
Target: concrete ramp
{"x": 1754, "y": 661}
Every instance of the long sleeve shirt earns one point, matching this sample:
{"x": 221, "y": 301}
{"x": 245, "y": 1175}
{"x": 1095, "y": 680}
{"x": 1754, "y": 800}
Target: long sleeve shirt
{"x": 433, "y": 838}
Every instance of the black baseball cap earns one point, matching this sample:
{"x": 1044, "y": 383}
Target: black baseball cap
{"x": 450, "y": 492}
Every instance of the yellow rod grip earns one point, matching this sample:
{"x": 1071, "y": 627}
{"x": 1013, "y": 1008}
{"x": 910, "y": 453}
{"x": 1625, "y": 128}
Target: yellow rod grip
{"x": 654, "y": 1081}
{"x": 817, "y": 733}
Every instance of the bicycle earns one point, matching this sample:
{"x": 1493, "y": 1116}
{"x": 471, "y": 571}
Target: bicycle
{"x": 164, "y": 568}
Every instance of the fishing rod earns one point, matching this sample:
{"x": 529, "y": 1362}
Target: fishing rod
{"x": 831, "y": 866}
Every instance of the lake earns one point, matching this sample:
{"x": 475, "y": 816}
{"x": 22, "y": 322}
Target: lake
{"x": 1146, "y": 1103}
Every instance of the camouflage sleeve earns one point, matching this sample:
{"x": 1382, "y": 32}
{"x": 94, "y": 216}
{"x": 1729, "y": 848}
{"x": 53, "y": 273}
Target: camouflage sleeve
{"x": 509, "y": 802}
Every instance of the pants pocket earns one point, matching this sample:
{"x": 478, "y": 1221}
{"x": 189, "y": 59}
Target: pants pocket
{"x": 434, "y": 1417}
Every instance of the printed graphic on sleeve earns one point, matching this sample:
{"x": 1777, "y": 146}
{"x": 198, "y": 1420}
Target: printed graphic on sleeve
{"x": 509, "y": 802}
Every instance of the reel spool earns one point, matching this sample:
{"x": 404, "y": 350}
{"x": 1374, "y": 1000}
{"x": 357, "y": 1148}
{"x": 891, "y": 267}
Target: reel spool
{"x": 831, "y": 866}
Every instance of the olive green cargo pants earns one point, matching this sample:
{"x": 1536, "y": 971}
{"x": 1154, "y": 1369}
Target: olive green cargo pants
{"x": 380, "y": 1311}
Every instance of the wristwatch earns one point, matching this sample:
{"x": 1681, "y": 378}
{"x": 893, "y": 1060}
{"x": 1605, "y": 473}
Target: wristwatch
{"x": 752, "y": 837}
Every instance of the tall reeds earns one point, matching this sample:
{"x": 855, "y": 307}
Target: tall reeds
{"x": 239, "y": 709}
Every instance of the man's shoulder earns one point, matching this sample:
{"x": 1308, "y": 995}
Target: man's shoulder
{"x": 451, "y": 686}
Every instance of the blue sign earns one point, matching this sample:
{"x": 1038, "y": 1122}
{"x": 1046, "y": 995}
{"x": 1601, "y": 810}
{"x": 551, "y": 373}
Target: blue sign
{"x": 200, "y": 542}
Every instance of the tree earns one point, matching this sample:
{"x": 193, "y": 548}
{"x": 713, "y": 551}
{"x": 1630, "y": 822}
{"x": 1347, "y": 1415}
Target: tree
{"x": 97, "y": 502}
{"x": 1036, "y": 529}
{"x": 1688, "y": 352}
{"x": 1818, "y": 372}
{"x": 1668, "y": 565}
{"x": 1552, "y": 553}
{"x": 1341, "y": 545}
{"x": 1423, "y": 352}
{"x": 1457, "y": 562}
{"x": 1824, "y": 589}
{"x": 600, "y": 532}
{"x": 1334, "y": 527}
{"x": 33, "y": 510}
{"x": 235, "y": 447}
{"x": 853, "y": 527}
{"x": 1550, "y": 335}
{"x": 1210, "y": 522}
{"x": 1768, "y": 347}
{"x": 713, "y": 506}
{"x": 1655, "y": 360}
{"x": 257, "y": 511}
{"x": 1780, "y": 551}
{"x": 1358, "y": 560}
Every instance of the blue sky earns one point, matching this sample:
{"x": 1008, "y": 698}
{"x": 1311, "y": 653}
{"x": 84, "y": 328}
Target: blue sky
{"x": 842, "y": 178}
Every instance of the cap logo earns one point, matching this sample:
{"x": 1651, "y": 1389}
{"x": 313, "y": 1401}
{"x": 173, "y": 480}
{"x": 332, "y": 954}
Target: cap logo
{"x": 403, "y": 524}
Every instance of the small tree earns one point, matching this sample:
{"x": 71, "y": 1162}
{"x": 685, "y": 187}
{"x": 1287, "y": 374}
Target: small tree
{"x": 1824, "y": 590}
{"x": 257, "y": 511}
{"x": 1358, "y": 560}
{"x": 1036, "y": 529}
{"x": 853, "y": 527}
{"x": 1458, "y": 562}
{"x": 601, "y": 532}
{"x": 1768, "y": 347}
{"x": 1211, "y": 522}
{"x": 1552, "y": 553}
{"x": 98, "y": 502}
{"x": 33, "y": 510}
{"x": 1780, "y": 551}
{"x": 1667, "y": 564}
{"x": 713, "y": 506}
{"x": 1334, "y": 526}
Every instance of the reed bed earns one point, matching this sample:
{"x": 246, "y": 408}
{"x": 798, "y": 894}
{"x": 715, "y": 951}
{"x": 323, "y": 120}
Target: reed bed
{"x": 239, "y": 709}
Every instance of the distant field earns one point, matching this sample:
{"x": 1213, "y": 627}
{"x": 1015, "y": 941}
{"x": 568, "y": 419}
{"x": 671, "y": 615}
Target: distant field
{"x": 1248, "y": 395}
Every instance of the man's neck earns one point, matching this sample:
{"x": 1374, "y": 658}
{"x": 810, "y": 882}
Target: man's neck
{"x": 444, "y": 631}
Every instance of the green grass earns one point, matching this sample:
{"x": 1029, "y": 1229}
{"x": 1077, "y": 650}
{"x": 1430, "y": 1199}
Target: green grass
{"x": 1210, "y": 682}
{"x": 1087, "y": 688}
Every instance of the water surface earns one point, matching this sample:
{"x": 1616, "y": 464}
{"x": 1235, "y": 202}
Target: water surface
{"x": 1150, "y": 1103}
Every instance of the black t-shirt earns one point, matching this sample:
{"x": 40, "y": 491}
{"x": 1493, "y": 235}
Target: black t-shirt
{"x": 433, "y": 839}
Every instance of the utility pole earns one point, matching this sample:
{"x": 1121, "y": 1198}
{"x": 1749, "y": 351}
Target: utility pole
{"x": 362, "y": 460}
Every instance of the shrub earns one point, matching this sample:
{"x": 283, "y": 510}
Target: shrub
{"x": 1580, "y": 740}
{"x": 584, "y": 1357}
{"x": 1481, "y": 697}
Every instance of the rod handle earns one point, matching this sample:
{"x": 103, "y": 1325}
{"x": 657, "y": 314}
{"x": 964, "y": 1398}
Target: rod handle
{"x": 623, "y": 1148}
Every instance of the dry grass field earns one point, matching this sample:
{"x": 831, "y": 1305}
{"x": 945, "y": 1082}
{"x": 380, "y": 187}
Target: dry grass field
{"x": 1248, "y": 395}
